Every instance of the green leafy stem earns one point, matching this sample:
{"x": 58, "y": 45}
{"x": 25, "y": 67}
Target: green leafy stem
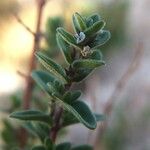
{"x": 82, "y": 54}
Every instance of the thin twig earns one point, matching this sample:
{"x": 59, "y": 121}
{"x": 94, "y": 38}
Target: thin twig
{"x": 23, "y": 24}
{"x": 32, "y": 64}
{"x": 120, "y": 85}
{"x": 22, "y": 74}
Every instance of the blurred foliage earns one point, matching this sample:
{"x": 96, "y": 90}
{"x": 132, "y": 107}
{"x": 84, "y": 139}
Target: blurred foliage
{"x": 115, "y": 13}
{"x": 115, "y": 136}
{"x": 11, "y": 131}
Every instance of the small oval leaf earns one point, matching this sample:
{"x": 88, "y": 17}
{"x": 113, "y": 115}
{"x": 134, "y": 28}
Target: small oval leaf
{"x": 81, "y": 74}
{"x": 97, "y": 55}
{"x": 68, "y": 37}
{"x": 87, "y": 63}
{"x": 80, "y": 110}
{"x": 42, "y": 78}
{"x": 100, "y": 39}
{"x": 92, "y": 30}
{"x": 33, "y": 115}
{"x": 51, "y": 66}
{"x": 78, "y": 22}
{"x": 65, "y": 48}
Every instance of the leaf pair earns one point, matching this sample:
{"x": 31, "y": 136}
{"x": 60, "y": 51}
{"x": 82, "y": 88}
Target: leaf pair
{"x": 78, "y": 108}
{"x": 32, "y": 115}
{"x": 84, "y": 67}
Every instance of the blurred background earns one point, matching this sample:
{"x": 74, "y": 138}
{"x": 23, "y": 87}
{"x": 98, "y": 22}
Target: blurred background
{"x": 124, "y": 82}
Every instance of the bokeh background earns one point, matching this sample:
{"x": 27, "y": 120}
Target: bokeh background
{"x": 125, "y": 84}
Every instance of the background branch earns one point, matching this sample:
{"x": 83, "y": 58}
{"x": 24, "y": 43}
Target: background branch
{"x": 120, "y": 85}
{"x": 23, "y": 24}
{"x": 32, "y": 65}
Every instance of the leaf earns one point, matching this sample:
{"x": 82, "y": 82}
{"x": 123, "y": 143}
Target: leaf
{"x": 92, "y": 30}
{"x": 42, "y": 78}
{"x": 82, "y": 147}
{"x": 37, "y": 129}
{"x": 92, "y": 19}
{"x": 40, "y": 147}
{"x": 69, "y": 38}
{"x": 34, "y": 115}
{"x": 65, "y": 48}
{"x": 69, "y": 119}
{"x": 96, "y": 54}
{"x": 81, "y": 111}
{"x": 100, "y": 39}
{"x": 75, "y": 95}
{"x": 87, "y": 63}
{"x": 51, "y": 66}
{"x": 69, "y": 96}
{"x": 95, "y": 17}
{"x": 81, "y": 74}
{"x": 63, "y": 146}
{"x": 78, "y": 22}
{"x": 54, "y": 87}
{"x": 49, "y": 144}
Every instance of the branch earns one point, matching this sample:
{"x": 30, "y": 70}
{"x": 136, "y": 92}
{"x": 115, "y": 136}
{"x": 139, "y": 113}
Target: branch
{"x": 23, "y": 24}
{"x": 32, "y": 65}
{"x": 120, "y": 85}
{"x": 22, "y": 74}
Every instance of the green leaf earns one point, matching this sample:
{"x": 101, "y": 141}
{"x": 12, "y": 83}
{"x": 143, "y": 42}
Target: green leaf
{"x": 42, "y": 78}
{"x": 82, "y": 147}
{"x": 75, "y": 95}
{"x": 81, "y": 74}
{"x": 49, "y": 144}
{"x": 67, "y": 97}
{"x": 78, "y": 22}
{"x": 96, "y": 18}
{"x": 97, "y": 55}
{"x": 51, "y": 66}
{"x": 100, "y": 39}
{"x": 40, "y": 147}
{"x": 65, "y": 48}
{"x": 87, "y": 63}
{"x": 81, "y": 111}
{"x": 68, "y": 37}
{"x": 70, "y": 97}
{"x": 92, "y": 19}
{"x": 34, "y": 115}
{"x": 63, "y": 146}
{"x": 37, "y": 129}
{"x": 69, "y": 119}
{"x": 92, "y": 30}
{"x": 56, "y": 87}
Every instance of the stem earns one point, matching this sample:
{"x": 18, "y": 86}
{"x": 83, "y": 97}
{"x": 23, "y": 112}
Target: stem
{"x": 57, "y": 118}
{"x": 32, "y": 64}
{"x": 57, "y": 125}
